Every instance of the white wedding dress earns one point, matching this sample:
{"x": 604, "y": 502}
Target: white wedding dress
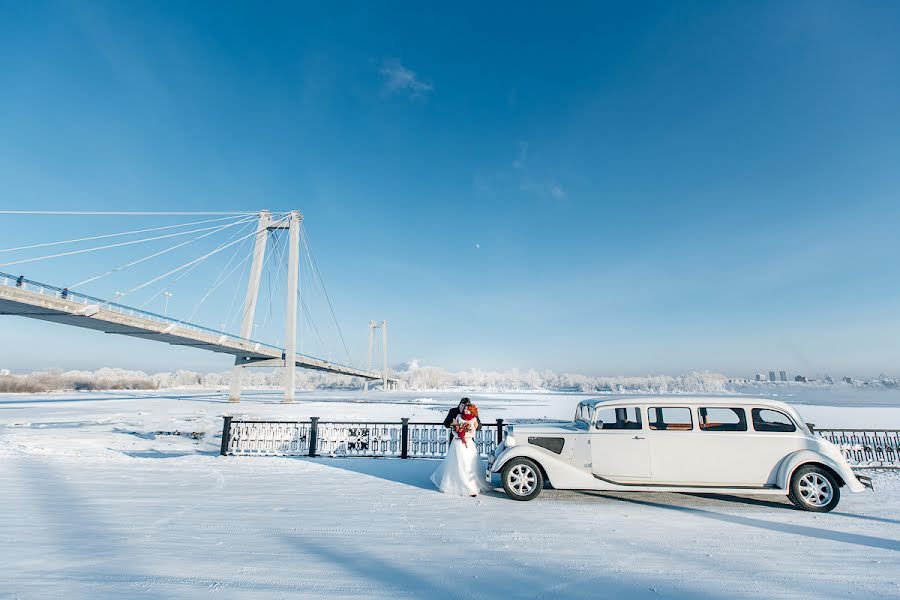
{"x": 462, "y": 472}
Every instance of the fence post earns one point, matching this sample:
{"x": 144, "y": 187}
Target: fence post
{"x": 404, "y": 438}
{"x": 226, "y": 436}
{"x": 313, "y": 435}
{"x": 499, "y": 431}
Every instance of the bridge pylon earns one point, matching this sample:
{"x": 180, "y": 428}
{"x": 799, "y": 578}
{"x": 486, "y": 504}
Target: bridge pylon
{"x": 385, "y": 382}
{"x": 264, "y": 226}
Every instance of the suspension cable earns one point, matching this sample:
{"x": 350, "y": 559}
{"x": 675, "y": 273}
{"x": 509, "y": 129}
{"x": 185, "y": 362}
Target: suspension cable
{"x": 127, "y": 213}
{"x": 312, "y": 323}
{"x": 312, "y": 258}
{"x": 232, "y": 313}
{"x": 273, "y": 287}
{"x": 188, "y": 271}
{"x": 274, "y": 225}
{"x": 117, "y": 245}
{"x": 307, "y": 276}
{"x": 220, "y": 279}
{"x": 111, "y": 235}
{"x": 161, "y": 252}
{"x": 187, "y": 264}
{"x": 236, "y": 311}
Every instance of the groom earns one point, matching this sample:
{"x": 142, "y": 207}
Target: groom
{"x": 455, "y": 412}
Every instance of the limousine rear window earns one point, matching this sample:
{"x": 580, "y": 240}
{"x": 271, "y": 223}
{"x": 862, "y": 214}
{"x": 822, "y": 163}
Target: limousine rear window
{"x": 719, "y": 418}
{"x": 769, "y": 421}
{"x": 670, "y": 419}
{"x": 621, "y": 417}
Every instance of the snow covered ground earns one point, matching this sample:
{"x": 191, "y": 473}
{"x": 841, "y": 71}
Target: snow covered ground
{"x": 100, "y": 499}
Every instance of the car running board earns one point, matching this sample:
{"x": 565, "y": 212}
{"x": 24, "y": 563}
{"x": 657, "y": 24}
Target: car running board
{"x": 681, "y": 485}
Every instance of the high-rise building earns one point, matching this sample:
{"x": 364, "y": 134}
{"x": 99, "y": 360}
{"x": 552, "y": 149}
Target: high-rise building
{"x": 783, "y": 375}
{"x": 771, "y": 375}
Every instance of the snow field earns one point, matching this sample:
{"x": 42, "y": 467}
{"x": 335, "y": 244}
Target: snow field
{"x": 96, "y": 504}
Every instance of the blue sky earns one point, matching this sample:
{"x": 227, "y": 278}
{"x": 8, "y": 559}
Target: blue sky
{"x": 600, "y": 187}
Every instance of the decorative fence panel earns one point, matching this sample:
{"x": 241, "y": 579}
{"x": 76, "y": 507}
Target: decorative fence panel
{"x": 266, "y": 438}
{"x": 348, "y": 438}
{"x": 359, "y": 439}
{"x": 872, "y": 448}
{"x": 877, "y": 448}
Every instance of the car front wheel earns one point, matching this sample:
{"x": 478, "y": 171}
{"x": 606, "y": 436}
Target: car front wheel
{"x": 522, "y": 479}
{"x": 815, "y": 489}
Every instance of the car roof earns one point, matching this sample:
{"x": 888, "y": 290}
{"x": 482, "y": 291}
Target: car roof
{"x": 663, "y": 401}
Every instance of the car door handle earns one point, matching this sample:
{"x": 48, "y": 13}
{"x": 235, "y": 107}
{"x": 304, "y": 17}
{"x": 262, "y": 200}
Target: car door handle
{"x": 637, "y": 437}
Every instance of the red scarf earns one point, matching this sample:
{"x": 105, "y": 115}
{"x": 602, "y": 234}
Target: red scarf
{"x": 466, "y": 416}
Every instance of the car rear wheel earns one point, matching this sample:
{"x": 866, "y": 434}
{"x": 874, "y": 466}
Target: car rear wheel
{"x": 815, "y": 489}
{"x": 522, "y": 479}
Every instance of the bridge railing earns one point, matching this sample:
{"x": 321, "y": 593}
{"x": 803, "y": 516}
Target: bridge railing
{"x": 863, "y": 448}
{"x": 13, "y": 281}
{"x": 43, "y": 289}
{"x": 403, "y": 439}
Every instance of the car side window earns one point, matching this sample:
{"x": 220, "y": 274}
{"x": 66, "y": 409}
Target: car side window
{"x": 623, "y": 417}
{"x": 718, "y": 418}
{"x": 670, "y": 418}
{"x": 768, "y": 420}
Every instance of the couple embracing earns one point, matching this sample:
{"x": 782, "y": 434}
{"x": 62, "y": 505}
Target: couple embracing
{"x": 462, "y": 472}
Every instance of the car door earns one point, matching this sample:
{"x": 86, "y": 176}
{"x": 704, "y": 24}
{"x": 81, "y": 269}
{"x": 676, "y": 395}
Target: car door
{"x": 673, "y": 445}
{"x": 619, "y": 449}
{"x": 774, "y": 436}
{"x": 726, "y": 454}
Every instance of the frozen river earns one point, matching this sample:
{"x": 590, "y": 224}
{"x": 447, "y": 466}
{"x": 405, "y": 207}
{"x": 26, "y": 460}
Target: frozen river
{"x": 101, "y": 500}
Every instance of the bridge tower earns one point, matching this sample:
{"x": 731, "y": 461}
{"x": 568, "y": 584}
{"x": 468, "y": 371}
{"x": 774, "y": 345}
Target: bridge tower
{"x": 265, "y": 225}
{"x": 373, "y": 325}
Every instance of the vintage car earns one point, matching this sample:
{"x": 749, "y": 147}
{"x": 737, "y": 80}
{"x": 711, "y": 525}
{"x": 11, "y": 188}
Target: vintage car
{"x": 730, "y": 445}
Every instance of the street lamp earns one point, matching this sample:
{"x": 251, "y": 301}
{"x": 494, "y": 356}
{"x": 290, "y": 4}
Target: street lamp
{"x": 166, "y": 309}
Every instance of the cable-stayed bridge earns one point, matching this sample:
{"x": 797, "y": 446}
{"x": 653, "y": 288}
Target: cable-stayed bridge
{"x": 21, "y": 296}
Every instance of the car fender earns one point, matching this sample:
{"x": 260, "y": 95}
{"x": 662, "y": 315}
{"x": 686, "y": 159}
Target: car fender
{"x": 801, "y": 457}
{"x": 556, "y": 470}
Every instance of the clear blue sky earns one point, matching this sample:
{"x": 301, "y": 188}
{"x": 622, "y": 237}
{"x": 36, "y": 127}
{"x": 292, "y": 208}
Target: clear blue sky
{"x": 604, "y": 188}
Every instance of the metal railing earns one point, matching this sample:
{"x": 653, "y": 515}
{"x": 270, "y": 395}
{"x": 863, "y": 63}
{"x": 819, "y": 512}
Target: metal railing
{"x": 863, "y": 448}
{"x": 403, "y": 439}
{"x": 875, "y": 448}
{"x": 43, "y": 289}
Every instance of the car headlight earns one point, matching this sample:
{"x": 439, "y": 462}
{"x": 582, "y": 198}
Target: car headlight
{"x": 509, "y": 440}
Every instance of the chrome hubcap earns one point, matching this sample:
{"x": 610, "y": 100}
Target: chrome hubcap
{"x": 815, "y": 490}
{"x": 522, "y": 479}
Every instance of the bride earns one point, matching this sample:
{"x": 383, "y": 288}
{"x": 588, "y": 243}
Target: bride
{"x": 462, "y": 472}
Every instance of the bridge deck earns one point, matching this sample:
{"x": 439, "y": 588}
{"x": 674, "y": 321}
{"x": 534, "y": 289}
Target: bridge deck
{"x": 48, "y": 303}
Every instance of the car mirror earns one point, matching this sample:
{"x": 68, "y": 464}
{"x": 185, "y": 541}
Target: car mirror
{"x": 599, "y": 424}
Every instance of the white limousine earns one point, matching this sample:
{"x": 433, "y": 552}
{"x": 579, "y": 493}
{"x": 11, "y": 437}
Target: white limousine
{"x": 746, "y": 446}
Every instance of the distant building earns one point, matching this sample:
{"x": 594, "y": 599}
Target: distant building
{"x": 828, "y": 378}
{"x": 783, "y": 375}
{"x": 771, "y": 375}
{"x": 847, "y": 379}
{"x": 800, "y": 378}
{"x": 760, "y": 377}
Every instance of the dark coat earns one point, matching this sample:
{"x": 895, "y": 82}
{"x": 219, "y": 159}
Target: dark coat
{"x": 453, "y": 413}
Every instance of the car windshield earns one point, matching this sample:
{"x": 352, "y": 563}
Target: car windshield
{"x": 583, "y": 413}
